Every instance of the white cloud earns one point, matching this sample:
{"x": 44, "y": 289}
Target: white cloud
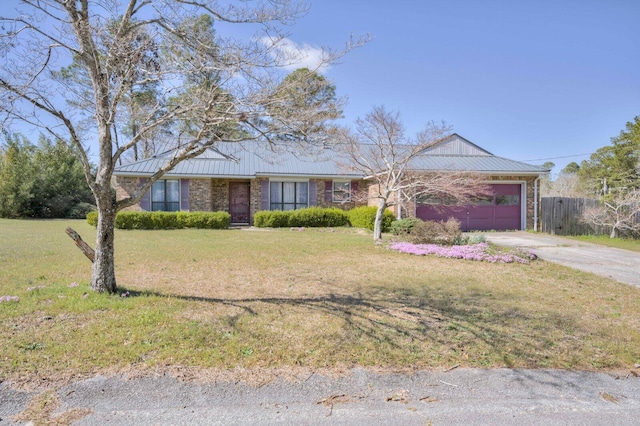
{"x": 293, "y": 56}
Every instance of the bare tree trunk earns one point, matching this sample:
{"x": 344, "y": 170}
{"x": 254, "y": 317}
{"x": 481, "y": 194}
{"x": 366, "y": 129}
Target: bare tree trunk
{"x": 377, "y": 225}
{"x": 103, "y": 274}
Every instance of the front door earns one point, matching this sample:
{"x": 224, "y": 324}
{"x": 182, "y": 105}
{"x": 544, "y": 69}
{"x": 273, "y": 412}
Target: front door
{"x": 239, "y": 202}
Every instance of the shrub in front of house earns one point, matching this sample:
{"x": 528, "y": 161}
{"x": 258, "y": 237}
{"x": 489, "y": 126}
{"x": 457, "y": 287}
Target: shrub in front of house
{"x": 431, "y": 232}
{"x": 92, "y": 218}
{"x": 312, "y": 217}
{"x": 271, "y": 219}
{"x": 317, "y": 217}
{"x": 404, "y": 227}
{"x": 204, "y": 220}
{"x": 135, "y": 220}
{"x": 365, "y": 217}
{"x": 167, "y": 220}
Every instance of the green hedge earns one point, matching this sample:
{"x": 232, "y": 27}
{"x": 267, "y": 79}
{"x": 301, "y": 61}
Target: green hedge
{"x": 92, "y": 218}
{"x": 167, "y": 220}
{"x": 365, "y": 217}
{"x": 312, "y": 217}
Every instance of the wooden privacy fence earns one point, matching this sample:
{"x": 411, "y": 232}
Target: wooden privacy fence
{"x": 561, "y": 215}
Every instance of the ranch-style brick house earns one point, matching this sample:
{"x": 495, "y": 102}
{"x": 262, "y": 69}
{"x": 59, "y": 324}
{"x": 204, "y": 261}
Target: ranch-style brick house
{"x": 243, "y": 178}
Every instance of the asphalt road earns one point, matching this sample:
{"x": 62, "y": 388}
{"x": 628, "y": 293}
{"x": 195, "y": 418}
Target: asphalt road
{"x": 621, "y": 265}
{"x": 460, "y": 396}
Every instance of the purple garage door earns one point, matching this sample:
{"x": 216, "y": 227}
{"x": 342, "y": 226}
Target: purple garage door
{"x": 500, "y": 211}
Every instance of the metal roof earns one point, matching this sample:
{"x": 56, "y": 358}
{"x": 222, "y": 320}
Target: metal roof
{"x": 249, "y": 160}
{"x": 485, "y": 164}
{"x": 246, "y": 161}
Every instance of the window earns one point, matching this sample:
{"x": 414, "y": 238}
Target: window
{"x": 289, "y": 195}
{"x": 486, "y": 200}
{"x": 507, "y": 200}
{"x": 165, "y": 195}
{"x": 428, "y": 199}
{"x": 341, "y": 192}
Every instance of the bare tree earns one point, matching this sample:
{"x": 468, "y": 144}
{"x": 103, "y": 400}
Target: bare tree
{"x": 208, "y": 89}
{"x": 380, "y": 150}
{"x": 565, "y": 185}
{"x": 619, "y": 212}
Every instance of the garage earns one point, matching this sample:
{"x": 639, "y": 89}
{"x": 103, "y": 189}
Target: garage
{"x": 500, "y": 211}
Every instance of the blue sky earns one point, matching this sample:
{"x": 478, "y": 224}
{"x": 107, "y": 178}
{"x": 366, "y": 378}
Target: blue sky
{"x": 525, "y": 80}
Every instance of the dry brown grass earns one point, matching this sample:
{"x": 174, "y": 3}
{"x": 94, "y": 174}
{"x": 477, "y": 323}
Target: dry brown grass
{"x": 269, "y": 300}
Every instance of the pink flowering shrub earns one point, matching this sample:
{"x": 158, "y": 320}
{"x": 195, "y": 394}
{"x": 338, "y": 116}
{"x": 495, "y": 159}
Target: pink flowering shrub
{"x": 479, "y": 252}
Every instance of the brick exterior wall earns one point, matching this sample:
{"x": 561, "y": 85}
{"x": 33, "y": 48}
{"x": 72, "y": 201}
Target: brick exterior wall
{"x": 213, "y": 195}
{"x": 200, "y": 192}
{"x": 358, "y": 199}
{"x": 126, "y": 187}
{"x": 200, "y": 195}
{"x": 219, "y": 195}
{"x": 255, "y": 194}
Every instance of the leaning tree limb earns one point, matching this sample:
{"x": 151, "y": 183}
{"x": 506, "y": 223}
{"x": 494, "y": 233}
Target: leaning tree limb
{"x": 84, "y": 247}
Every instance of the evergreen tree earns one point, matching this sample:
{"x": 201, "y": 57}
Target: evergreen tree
{"x": 43, "y": 181}
{"x": 615, "y": 167}
{"x": 16, "y": 176}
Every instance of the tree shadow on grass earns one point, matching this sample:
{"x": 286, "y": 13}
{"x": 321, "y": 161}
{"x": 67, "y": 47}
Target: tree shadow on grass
{"x": 459, "y": 325}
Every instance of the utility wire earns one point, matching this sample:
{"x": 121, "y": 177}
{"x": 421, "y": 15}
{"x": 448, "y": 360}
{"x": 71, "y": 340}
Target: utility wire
{"x": 557, "y": 158}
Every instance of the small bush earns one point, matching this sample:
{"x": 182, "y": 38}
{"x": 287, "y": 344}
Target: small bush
{"x": 403, "y": 227}
{"x": 134, "y": 220}
{"x": 318, "y": 217}
{"x": 365, "y": 217}
{"x": 312, "y": 217}
{"x": 271, "y": 219}
{"x": 92, "y": 218}
{"x": 470, "y": 240}
{"x": 204, "y": 220}
{"x": 431, "y": 232}
{"x": 167, "y": 220}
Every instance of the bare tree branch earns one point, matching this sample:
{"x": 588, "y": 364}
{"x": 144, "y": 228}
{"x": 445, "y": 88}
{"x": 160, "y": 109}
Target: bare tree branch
{"x": 380, "y": 150}
{"x": 116, "y": 74}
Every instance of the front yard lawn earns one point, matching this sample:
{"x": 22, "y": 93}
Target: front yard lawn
{"x": 621, "y": 243}
{"x": 267, "y": 300}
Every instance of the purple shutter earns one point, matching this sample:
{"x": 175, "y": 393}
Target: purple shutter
{"x": 354, "y": 188}
{"x": 264, "y": 195}
{"x": 184, "y": 195}
{"x": 328, "y": 191}
{"x": 313, "y": 193}
{"x": 145, "y": 201}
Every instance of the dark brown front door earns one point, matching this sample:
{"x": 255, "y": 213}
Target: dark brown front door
{"x": 239, "y": 202}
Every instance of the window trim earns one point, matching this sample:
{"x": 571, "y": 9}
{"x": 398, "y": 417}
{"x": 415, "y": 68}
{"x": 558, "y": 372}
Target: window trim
{"x": 347, "y": 199}
{"x": 281, "y": 204}
{"x": 164, "y": 203}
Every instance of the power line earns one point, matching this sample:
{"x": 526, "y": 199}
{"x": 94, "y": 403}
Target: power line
{"x": 557, "y": 158}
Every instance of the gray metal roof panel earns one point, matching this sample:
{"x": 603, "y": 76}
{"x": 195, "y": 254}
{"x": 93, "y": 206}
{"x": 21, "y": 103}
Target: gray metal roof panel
{"x": 250, "y": 160}
{"x": 473, "y": 163}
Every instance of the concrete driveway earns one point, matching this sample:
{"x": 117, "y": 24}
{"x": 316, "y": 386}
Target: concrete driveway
{"x": 621, "y": 265}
